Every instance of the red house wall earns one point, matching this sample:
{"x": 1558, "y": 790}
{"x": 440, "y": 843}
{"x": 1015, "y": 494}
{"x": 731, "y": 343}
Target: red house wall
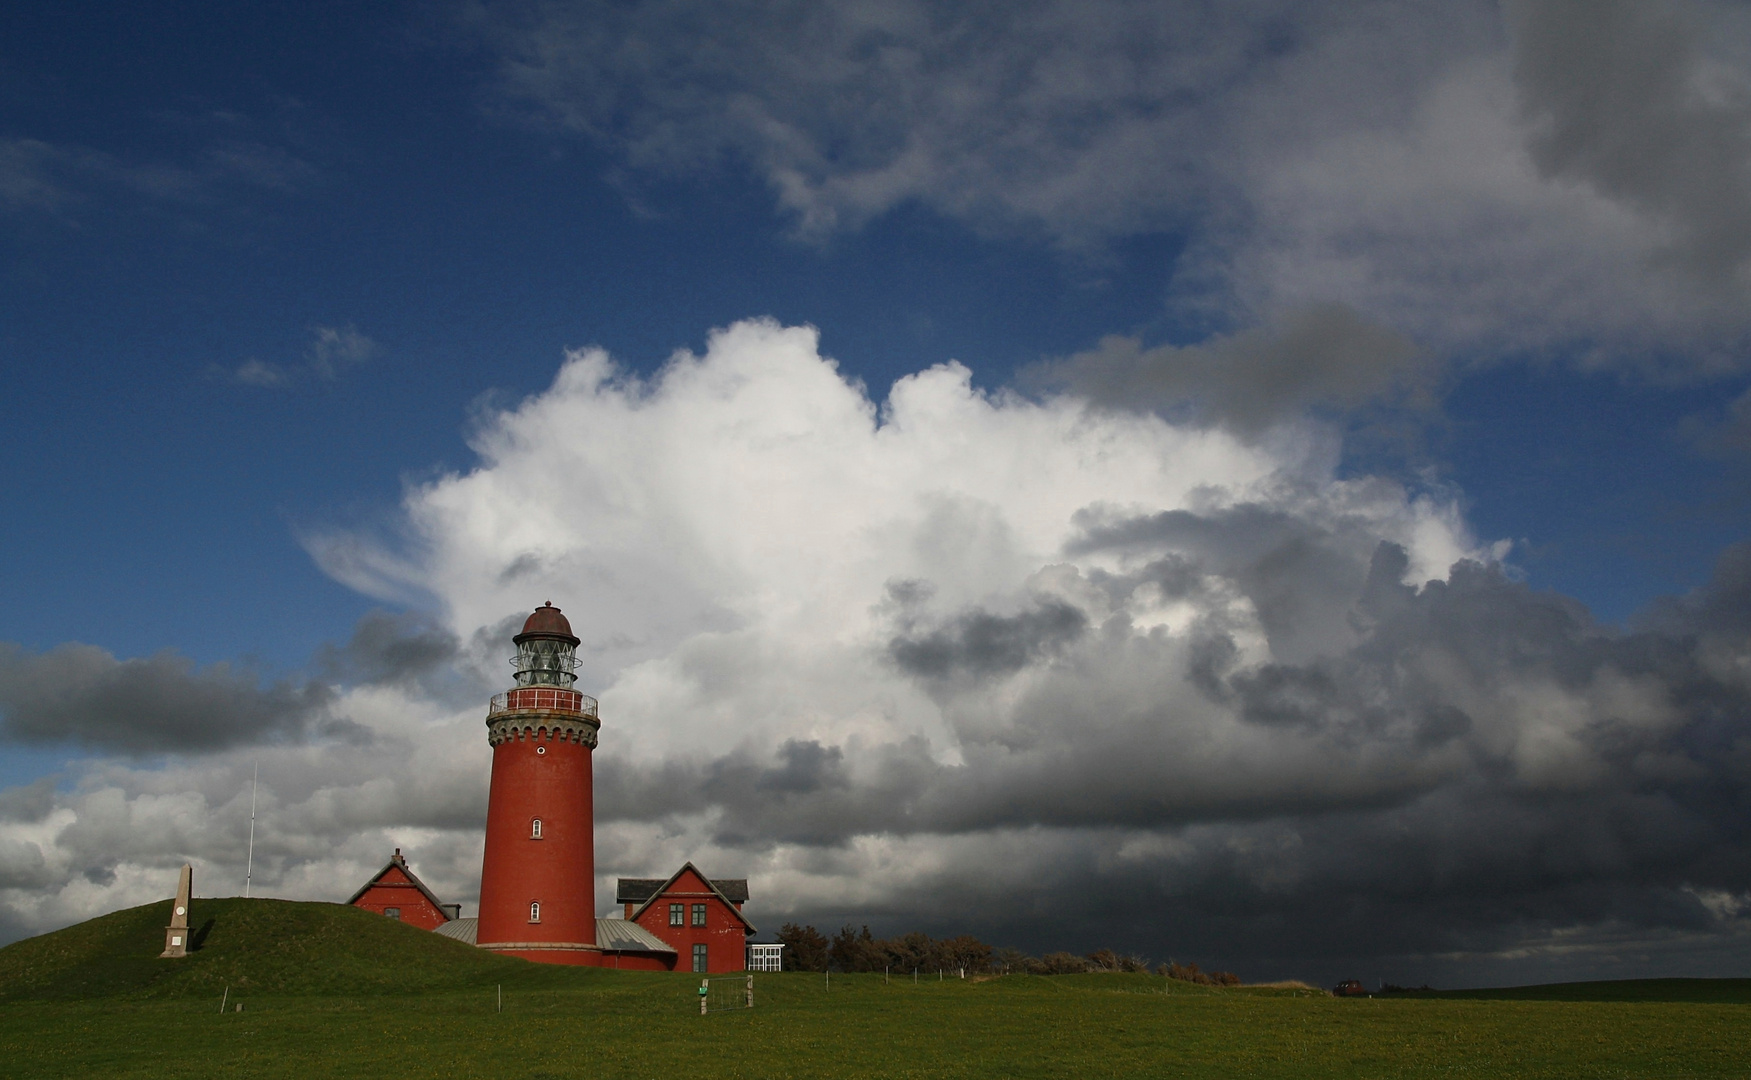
{"x": 559, "y": 869}
{"x": 394, "y": 890}
{"x": 724, "y": 934}
{"x": 628, "y": 961}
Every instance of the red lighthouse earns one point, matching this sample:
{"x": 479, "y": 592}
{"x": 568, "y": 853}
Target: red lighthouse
{"x": 538, "y": 880}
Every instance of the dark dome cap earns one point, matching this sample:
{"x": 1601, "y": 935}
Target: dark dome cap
{"x": 547, "y": 622}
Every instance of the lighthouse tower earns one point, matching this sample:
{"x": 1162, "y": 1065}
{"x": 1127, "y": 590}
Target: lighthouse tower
{"x": 538, "y": 881}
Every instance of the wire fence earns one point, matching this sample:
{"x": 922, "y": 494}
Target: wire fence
{"x": 724, "y": 994}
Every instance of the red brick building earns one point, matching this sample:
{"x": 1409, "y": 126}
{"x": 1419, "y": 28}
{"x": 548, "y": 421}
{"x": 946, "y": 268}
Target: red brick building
{"x": 538, "y": 878}
{"x": 701, "y": 918}
{"x": 399, "y": 894}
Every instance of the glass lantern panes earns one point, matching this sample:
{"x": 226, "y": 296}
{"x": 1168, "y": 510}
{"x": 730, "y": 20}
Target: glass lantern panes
{"x": 545, "y": 662}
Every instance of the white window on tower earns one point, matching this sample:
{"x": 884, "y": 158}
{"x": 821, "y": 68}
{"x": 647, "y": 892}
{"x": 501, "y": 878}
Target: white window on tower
{"x": 535, "y": 829}
{"x": 535, "y": 911}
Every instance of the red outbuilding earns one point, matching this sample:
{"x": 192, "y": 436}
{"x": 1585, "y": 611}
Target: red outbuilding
{"x": 701, "y": 918}
{"x": 398, "y": 893}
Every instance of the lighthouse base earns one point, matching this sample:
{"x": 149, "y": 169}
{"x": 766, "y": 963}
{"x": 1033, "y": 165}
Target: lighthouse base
{"x": 576, "y": 954}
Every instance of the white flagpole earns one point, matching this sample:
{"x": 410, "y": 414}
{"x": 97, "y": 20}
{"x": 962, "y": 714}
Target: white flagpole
{"x": 249, "y": 870}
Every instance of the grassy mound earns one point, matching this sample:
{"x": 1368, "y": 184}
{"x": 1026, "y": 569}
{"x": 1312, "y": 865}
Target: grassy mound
{"x": 259, "y": 946}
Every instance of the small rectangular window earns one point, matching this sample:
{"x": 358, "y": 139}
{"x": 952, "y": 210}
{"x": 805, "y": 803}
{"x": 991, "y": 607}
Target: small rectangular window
{"x": 392, "y": 912}
{"x": 699, "y": 958}
{"x": 677, "y": 914}
{"x": 535, "y": 829}
{"x": 698, "y": 914}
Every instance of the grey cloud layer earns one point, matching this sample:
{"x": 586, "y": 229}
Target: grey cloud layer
{"x": 82, "y": 694}
{"x": 1322, "y": 356}
{"x": 1558, "y": 178}
{"x": 1622, "y": 100}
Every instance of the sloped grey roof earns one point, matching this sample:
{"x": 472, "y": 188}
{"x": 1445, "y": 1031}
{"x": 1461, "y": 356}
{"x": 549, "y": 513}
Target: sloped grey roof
{"x": 620, "y": 935}
{"x": 615, "y": 935}
{"x": 636, "y": 890}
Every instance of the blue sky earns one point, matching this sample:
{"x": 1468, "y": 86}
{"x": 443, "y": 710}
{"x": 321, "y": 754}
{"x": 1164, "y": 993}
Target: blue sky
{"x": 269, "y": 274}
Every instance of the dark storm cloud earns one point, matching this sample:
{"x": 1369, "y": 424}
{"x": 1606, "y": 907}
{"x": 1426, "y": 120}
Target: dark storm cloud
{"x": 391, "y": 648}
{"x": 1618, "y": 89}
{"x": 978, "y": 643}
{"x": 1325, "y": 356}
{"x": 82, "y": 694}
{"x": 1473, "y": 765}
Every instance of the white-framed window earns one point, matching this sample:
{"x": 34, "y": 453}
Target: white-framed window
{"x": 766, "y": 957}
{"x": 392, "y": 912}
{"x": 700, "y": 957}
{"x": 534, "y": 911}
{"x": 535, "y": 829}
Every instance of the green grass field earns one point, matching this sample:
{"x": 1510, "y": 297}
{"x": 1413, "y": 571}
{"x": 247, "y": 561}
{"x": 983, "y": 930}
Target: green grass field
{"x": 331, "y": 991}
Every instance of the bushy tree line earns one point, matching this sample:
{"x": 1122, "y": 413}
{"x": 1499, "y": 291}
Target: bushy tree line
{"x": 1191, "y": 974}
{"x": 851, "y": 950}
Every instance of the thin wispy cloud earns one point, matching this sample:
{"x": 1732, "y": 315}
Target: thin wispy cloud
{"x": 333, "y": 350}
{"x": 68, "y": 180}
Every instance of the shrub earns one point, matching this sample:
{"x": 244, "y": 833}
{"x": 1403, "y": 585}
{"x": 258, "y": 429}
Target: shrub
{"x": 1058, "y": 963}
{"x": 1190, "y": 973}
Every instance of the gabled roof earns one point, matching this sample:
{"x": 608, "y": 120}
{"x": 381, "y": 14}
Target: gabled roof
{"x": 719, "y": 893}
{"x": 396, "y": 862}
{"x": 636, "y": 890}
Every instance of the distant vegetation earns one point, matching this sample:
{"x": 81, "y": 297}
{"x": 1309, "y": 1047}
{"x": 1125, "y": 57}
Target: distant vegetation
{"x": 852, "y": 951}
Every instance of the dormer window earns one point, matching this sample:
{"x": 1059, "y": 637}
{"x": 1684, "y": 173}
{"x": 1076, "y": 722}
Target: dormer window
{"x": 535, "y": 911}
{"x": 535, "y": 829}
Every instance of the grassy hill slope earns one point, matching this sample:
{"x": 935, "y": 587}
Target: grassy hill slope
{"x": 260, "y": 946}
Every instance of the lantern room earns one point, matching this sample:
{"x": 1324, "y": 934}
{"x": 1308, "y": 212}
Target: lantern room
{"x": 546, "y": 650}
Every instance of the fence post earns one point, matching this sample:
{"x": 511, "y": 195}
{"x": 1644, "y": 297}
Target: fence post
{"x": 704, "y": 993}
{"x": 750, "y": 991}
